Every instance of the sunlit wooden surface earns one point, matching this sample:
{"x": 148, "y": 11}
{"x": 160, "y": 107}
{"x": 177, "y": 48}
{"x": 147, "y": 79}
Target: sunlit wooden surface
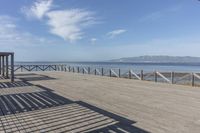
{"x": 69, "y": 102}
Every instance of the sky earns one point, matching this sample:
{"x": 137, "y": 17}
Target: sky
{"x": 98, "y": 30}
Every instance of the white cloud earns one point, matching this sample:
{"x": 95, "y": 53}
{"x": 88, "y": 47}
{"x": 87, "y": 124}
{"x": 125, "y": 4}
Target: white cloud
{"x": 69, "y": 24}
{"x": 93, "y": 40}
{"x": 7, "y": 28}
{"x": 11, "y": 35}
{"x": 38, "y": 9}
{"x": 114, "y": 33}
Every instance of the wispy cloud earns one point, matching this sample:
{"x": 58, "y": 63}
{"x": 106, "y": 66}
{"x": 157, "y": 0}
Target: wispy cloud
{"x": 93, "y": 40}
{"x": 38, "y": 9}
{"x": 114, "y": 33}
{"x": 11, "y": 35}
{"x": 152, "y": 16}
{"x": 159, "y": 14}
{"x": 67, "y": 24}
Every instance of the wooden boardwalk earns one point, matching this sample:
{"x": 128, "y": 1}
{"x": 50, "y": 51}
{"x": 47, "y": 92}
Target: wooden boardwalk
{"x": 68, "y": 102}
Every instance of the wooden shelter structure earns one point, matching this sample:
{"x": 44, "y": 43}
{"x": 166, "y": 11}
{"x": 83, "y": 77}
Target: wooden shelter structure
{"x": 7, "y": 65}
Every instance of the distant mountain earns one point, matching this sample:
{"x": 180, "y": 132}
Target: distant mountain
{"x": 160, "y": 59}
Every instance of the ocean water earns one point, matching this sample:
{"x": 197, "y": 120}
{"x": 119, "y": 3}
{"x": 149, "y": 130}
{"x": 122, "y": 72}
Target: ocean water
{"x": 147, "y": 67}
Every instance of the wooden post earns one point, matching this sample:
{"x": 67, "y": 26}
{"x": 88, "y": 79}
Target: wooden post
{"x": 102, "y": 71}
{"x": 155, "y": 76}
{"x": 78, "y": 69}
{"x": 60, "y": 67}
{"x": 130, "y": 74}
{"x": 110, "y": 72}
{"x": 29, "y": 68}
{"x": 142, "y": 75}
{"x": 119, "y": 73}
{"x": 88, "y": 70}
{"x": 172, "y": 77}
{"x": 73, "y": 70}
{"x": 95, "y": 71}
{"x": 7, "y": 66}
{"x": 12, "y": 67}
{"x": 83, "y": 70}
{"x": 56, "y": 67}
{"x": 3, "y": 66}
{"x": 193, "y": 79}
{"x": 0, "y": 65}
{"x": 43, "y": 67}
{"x": 64, "y": 68}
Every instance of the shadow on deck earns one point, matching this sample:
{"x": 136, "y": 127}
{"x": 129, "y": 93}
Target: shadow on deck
{"x": 46, "y": 111}
{"x": 4, "y": 85}
{"x": 32, "y": 77}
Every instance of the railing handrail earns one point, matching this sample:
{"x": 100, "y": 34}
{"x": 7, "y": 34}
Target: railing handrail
{"x": 112, "y": 72}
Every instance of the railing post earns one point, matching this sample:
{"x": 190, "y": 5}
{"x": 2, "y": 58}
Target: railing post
{"x": 102, "y": 72}
{"x": 57, "y": 68}
{"x": 65, "y": 68}
{"x": 110, "y": 72}
{"x": 155, "y": 76}
{"x": 83, "y": 70}
{"x": 61, "y": 67}
{"x": 73, "y": 70}
{"x": 12, "y": 68}
{"x": 172, "y": 77}
{"x": 0, "y": 65}
{"x": 78, "y": 69}
{"x": 88, "y": 70}
{"x": 95, "y": 71}
{"x": 193, "y": 79}
{"x": 129, "y": 74}
{"x": 3, "y": 66}
{"x": 119, "y": 73}
{"x": 7, "y": 67}
{"x": 142, "y": 75}
{"x": 29, "y": 68}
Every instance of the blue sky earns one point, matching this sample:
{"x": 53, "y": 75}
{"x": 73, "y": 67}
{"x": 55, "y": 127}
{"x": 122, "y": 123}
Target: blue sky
{"x": 96, "y": 30}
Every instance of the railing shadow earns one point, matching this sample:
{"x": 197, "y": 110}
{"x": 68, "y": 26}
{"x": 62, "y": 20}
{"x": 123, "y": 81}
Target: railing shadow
{"x": 24, "y": 102}
{"x": 22, "y": 80}
{"x": 33, "y": 77}
{"x": 4, "y": 85}
{"x": 122, "y": 124}
{"x": 1, "y": 77}
{"x": 46, "y": 111}
{"x": 25, "y": 74}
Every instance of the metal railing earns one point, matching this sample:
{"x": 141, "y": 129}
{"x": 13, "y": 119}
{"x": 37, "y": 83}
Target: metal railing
{"x": 192, "y": 79}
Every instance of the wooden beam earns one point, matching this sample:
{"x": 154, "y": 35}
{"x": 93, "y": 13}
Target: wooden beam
{"x": 7, "y": 72}
{"x": 3, "y": 65}
{"x": 0, "y": 65}
{"x": 12, "y": 67}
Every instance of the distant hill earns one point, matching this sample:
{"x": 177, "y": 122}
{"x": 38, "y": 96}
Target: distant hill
{"x": 160, "y": 59}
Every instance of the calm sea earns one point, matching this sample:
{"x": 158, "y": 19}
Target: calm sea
{"x": 148, "y": 67}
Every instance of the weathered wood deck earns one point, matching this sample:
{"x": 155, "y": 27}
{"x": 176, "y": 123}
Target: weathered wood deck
{"x": 68, "y": 102}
